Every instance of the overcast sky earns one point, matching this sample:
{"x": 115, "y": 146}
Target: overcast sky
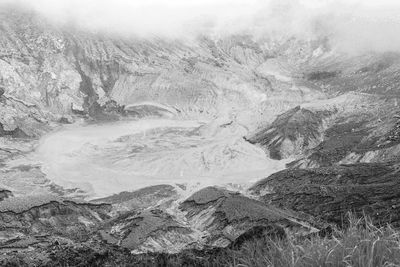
{"x": 352, "y": 24}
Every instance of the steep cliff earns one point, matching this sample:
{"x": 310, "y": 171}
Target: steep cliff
{"x": 58, "y": 71}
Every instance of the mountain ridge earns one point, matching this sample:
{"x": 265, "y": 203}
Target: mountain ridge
{"x": 251, "y": 104}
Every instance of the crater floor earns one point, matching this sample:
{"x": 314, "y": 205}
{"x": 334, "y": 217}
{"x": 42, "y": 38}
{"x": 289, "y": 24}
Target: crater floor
{"x": 103, "y": 159}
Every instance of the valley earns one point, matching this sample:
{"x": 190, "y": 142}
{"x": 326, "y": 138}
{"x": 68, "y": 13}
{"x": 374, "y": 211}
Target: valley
{"x": 134, "y": 146}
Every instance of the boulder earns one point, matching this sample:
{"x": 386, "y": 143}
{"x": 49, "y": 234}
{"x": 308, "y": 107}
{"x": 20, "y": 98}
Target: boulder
{"x": 65, "y": 120}
{"x": 5, "y": 194}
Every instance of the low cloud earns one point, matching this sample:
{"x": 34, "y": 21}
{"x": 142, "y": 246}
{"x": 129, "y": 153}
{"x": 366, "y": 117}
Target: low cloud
{"x": 351, "y": 25}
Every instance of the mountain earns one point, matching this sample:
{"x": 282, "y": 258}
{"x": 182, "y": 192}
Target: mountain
{"x": 61, "y": 70}
{"x": 211, "y": 117}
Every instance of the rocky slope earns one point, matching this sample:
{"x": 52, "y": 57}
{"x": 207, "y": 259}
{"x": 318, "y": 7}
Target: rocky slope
{"x": 298, "y": 101}
{"x": 210, "y": 218}
{"x": 357, "y": 125}
{"x": 60, "y": 70}
{"x": 344, "y": 150}
{"x": 329, "y": 193}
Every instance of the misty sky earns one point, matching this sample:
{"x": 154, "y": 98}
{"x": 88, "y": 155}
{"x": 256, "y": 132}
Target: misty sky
{"x": 352, "y": 24}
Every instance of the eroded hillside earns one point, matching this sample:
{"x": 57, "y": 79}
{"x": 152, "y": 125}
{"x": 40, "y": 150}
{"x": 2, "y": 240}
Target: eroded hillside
{"x": 174, "y": 136}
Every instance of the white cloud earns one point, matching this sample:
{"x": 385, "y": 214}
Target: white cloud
{"x": 353, "y": 25}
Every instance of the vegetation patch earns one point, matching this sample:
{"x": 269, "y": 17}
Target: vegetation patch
{"x": 361, "y": 244}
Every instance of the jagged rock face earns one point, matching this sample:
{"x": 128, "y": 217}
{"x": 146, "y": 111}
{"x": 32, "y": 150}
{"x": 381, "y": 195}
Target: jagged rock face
{"x": 225, "y": 217}
{"x": 292, "y": 132}
{"x": 142, "y": 110}
{"x": 372, "y": 73}
{"x": 359, "y": 136}
{"x": 339, "y": 141}
{"x": 350, "y": 128}
{"x": 148, "y": 197}
{"x": 40, "y": 220}
{"x": 20, "y": 119}
{"x": 331, "y": 192}
{"x": 148, "y": 231}
{"x": 62, "y": 70}
{"x": 5, "y": 194}
{"x": 211, "y": 217}
{"x": 355, "y": 123}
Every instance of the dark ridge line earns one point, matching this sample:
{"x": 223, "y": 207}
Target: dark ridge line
{"x": 61, "y": 202}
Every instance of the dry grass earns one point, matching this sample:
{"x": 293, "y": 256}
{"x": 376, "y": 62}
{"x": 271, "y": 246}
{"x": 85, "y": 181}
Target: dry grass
{"x": 361, "y": 245}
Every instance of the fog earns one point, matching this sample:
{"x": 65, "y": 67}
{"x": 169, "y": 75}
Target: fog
{"x": 352, "y": 25}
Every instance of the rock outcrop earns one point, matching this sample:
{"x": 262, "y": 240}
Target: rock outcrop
{"x": 293, "y": 132}
{"x": 225, "y": 218}
{"x": 148, "y": 231}
{"x": 37, "y": 221}
{"x": 210, "y": 218}
{"x": 329, "y": 193}
{"x": 347, "y": 129}
{"x": 5, "y": 194}
{"x": 149, "y": 197}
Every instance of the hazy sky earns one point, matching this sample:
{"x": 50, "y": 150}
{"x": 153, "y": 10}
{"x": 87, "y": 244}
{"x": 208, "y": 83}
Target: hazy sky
{"x": 352, "y": 24}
